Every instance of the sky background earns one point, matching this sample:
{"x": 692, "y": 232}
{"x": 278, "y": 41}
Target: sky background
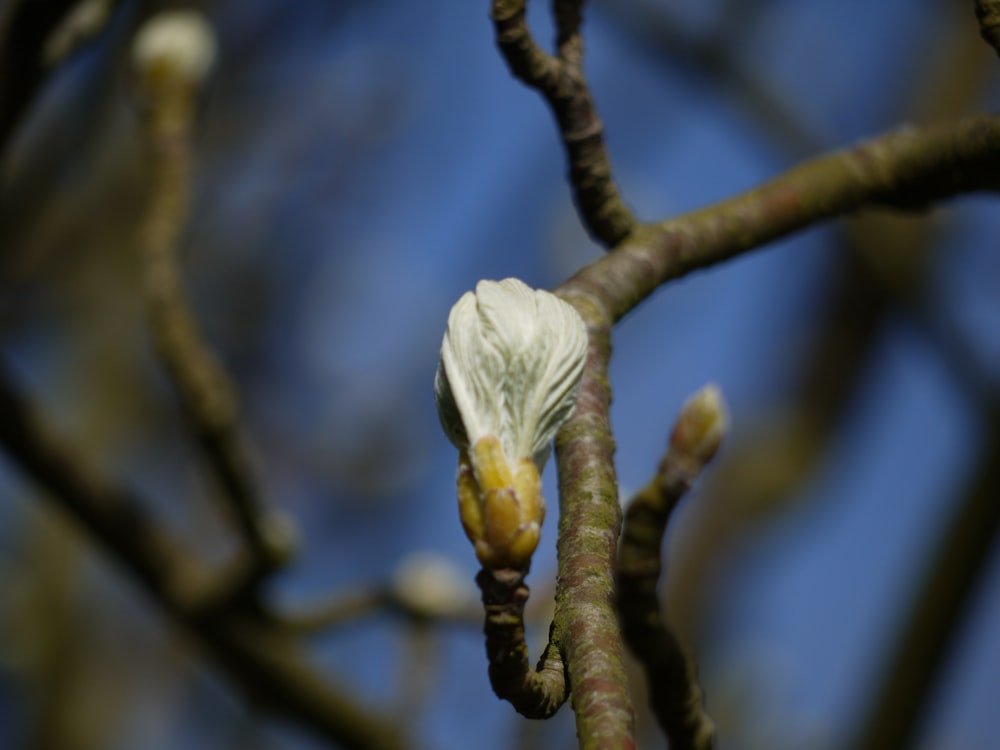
{"x": 361, "y": 165}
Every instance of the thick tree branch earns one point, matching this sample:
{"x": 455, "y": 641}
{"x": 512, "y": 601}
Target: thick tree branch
{"x": 585, "y": 625}
{"x": 907, "y": 169}
{"x": 561, "y": 81}
{"x": 261, "y": 659}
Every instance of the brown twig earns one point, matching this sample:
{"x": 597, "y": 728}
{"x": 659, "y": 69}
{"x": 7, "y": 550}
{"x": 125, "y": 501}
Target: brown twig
{"x": 536, "y": 694}
{"x": 560, "y": 79}
{"x": 585, "y": 625}
{"x": 206, "y": 393}
{"x": 674, "y": 693}
{"x": 261, "y": 659}
{"x": 370, "y": 601}
{"x": 907, "y": 169}
{"x": 988, "y": 15}
{"x": 113, "y": 516}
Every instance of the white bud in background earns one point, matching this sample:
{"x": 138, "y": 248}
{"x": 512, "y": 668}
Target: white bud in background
{"x": 180, "y": 41}
{"x": 432, "y": 586}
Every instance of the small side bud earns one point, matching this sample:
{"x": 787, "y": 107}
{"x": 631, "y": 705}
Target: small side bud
{"x": 177, "y": 43}
{"x": 701, "y": 425}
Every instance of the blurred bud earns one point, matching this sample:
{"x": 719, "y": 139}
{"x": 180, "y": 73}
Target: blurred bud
{"x": 281, "y": 535}
{"x": 701, "y": 425}
{"x": 177, "y": 43}
{"x": 511, "y": 363}
{"x": 432, "y": 586}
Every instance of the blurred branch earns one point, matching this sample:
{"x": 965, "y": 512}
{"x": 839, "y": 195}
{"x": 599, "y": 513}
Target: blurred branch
{"x": 22, "y": 66}
{"x": 988, "y": 15}
{"x": 270, "y": 667}
{"x": 560, "y": 79}
{"x": 675, "y": 696}
{"x": 949, "y": 583}
{"x": 111, "y": 515}
{"x": 206, "y": 393}
{"x": 424, "y": 589}
{"x": 907, "y": 169}
{"x": 714, "y": 57}
{"x": 81, "y": 24}
{"x": 585, "y": 624}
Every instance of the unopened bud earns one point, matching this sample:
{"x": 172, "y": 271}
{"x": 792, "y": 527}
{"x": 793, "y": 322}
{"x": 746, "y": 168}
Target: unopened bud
{"x": 432, "y": 586}
{"x": 511, "y": 363}
{"x": 175, "y": 42}
{"x": 701, "y": 425}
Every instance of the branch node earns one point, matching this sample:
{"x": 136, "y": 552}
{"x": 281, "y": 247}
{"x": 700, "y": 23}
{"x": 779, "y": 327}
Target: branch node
{"x": 535, "y": 694}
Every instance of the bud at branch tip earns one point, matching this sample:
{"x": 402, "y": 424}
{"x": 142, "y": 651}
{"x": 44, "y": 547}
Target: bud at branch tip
{"x": 178, "y": 42}
{"x": 701, "y": 425}
{"x": 511, "y": 362}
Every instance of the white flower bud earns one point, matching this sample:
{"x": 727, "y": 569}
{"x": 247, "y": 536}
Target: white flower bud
{"x": 511, "y": 363}
{"x": 181, "y": 41}
{"x": 432, "y": 585}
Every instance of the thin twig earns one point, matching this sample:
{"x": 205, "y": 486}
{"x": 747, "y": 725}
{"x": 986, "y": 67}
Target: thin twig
{"x": 369, "y": 601}
{"x": 80, "y": 25}
{"x": 561, "y": 81}
{"x": 907, "y": 169}
{"x": 674, "y": 693}
{"x": 206, "y": 392}
{"x": 536, "y": 694}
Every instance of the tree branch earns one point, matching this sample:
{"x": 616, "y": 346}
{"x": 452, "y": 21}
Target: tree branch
{"x": 907, "y": 169}
{"x": 536, "y": 694}
{"x": 585, "y": 624}
{"x": 674, "y": 693}
{"x": 207, "y": 395}
{"x": 261, "y": 659}
{"x": 562, "y": 82}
